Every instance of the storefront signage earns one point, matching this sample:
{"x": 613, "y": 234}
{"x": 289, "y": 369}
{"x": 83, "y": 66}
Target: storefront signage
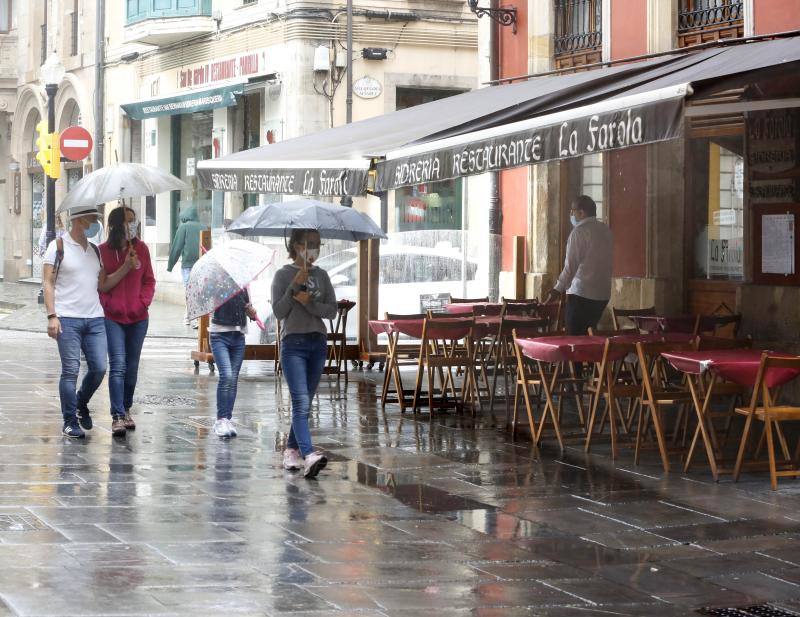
{"x": 772, "y": 155}
{"x": 190, "y": 102}
{"x": 600, "y": 132}
{"x": 246, "y": 64}
{"x": 367, "y": 88}
{"x": 325, "y": 182}
{"x": 725, "y": 257}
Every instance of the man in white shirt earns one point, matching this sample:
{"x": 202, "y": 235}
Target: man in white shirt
{"x": 586, "y": 277}
{"x": 75, "y": 319}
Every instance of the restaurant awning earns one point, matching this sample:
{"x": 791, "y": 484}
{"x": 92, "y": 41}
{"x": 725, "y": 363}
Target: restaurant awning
{"x": 501, "y": 127}
{"x": 187, "y": 102}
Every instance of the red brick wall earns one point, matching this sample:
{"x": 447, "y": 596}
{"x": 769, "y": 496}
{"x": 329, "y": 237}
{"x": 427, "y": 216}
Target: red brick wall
{"x": 514, "y": 182}
{"x": 776, "y": 15}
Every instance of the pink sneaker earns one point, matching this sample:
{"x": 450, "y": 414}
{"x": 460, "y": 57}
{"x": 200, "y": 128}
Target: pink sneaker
{"x": 292, "y": 459}
{"x": 313, "y": 464}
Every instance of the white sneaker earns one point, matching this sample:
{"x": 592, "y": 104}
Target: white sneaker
{"x": 231, "y": 428}
{"x": 313, "y": 464}
{"x": 292, "y": 459}
{"x": 221, "y": 428}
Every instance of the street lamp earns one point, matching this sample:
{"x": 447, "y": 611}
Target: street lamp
{"x": 51, "y": 75}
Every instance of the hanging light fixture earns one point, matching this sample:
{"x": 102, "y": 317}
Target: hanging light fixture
{"x": 504, "y": 17}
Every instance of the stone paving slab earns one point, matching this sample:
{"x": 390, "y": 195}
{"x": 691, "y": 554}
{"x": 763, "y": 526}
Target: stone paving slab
{"x": 451, "y": 517}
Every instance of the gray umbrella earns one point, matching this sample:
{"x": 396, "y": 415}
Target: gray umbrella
{"x": 120, "y": 181}
{"x": 330, "y": 220}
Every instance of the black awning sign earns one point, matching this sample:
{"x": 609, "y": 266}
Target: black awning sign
{"x": 325, "y": 182}
{"x": 578, "y": 136}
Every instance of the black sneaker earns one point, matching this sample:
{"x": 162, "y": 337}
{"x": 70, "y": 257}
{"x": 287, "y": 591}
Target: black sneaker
{"x": 73, "y": 429}
{"x": 84, "y": 418}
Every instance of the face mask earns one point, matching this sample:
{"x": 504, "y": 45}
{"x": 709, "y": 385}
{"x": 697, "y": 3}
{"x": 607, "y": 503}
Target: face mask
{"x": 93, "y": 230}
{"x": 309, "y": 255}
{"x": 573, "y": 220}
{"x": 132, "y": 229}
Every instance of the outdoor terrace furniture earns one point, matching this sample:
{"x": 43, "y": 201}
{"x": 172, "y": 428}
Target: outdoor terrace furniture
{"x": 658, "y": 394}
{"x": 337, "y": 341}
{"x": 774, "y": 371}
{"x": 619, "y": 315}
{"x": 446, "y": 346}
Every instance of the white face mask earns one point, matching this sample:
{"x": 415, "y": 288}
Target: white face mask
{"x": 309, "y": 255}
{"x": 132, "y": 229}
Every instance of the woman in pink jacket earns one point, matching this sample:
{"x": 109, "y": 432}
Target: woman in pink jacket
{"x": 125, "y": 305}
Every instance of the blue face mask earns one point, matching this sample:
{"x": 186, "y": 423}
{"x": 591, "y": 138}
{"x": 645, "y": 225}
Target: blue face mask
{"x": 573, "y": 220}
{"x": 93, "y": 230}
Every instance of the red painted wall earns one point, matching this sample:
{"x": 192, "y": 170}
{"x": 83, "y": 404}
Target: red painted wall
{"x": 627, "y": 169}
{"x": 776, "y": 15}
{"x": 628, "y": 28}
{"x": 514, "y": 182}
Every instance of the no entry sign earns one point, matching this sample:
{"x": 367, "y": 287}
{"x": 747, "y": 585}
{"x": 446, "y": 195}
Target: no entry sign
{"x": 76, "y": 143}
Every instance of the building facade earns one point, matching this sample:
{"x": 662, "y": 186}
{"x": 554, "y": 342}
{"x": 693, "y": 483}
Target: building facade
{"x": 188, "y": 83}
{"x": 35, "y": 31}
{"x": 688, "y": 215}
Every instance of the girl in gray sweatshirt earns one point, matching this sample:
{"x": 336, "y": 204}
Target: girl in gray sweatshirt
{"x": 302, "y": 296}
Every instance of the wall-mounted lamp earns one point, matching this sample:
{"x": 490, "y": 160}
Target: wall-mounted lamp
{"x": 504, "y": 17}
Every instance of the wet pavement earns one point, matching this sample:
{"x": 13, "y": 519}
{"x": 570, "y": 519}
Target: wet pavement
{"x": 451, "y": 517}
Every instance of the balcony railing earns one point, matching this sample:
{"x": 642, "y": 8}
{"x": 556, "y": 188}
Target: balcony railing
{"x": 140, "y": 10}
{"x": 578, "y": 26}
{"x": 704, "y": 14}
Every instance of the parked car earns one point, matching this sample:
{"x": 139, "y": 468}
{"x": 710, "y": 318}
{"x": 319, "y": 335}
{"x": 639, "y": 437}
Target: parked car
{"x": 407, "y": 275}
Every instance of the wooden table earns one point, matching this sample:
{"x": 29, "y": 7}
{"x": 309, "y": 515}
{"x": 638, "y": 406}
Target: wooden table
{"x": 704, "y": 369}
{"x": 555, "y": 351}
{"x": 411, "y": 328}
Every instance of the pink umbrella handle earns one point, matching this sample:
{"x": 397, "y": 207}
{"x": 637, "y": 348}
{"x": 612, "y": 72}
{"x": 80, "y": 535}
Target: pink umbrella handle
{"x": 260, "y": 323}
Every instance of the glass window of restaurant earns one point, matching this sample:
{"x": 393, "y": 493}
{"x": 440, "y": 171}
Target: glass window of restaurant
{"x": 193, "y": 142}
{"x": 434, "y": 205}
{"x": 716, "y": 207}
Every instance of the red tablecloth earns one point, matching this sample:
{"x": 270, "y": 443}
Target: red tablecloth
{"x": 413, "y": 328}
{"x": 465, "y": 308}
{"x": 564, "y": 348}
{"x": 652, "y": 337}
{"x": 737, "y": 365}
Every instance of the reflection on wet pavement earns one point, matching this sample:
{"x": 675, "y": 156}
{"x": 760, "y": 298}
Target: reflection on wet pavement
{"x": 410, "y": 517}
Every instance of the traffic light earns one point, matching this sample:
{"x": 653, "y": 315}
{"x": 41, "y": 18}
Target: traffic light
{"x": 49, "y": 154}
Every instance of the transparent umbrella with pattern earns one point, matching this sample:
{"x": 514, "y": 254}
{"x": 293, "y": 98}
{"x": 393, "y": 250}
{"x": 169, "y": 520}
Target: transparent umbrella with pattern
{"x": 223, "y": 272}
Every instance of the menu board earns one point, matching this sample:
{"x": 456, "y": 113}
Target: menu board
{"x": 777, "y": 244}
{"x": 772, "y": 156}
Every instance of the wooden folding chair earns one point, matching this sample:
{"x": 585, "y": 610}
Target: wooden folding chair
{"x": 619, "y": 316}
{"x": 552, "y": 311}
{"x": 764, "y": 407}
{"x": 658, "y": 393}
{"x": 614, "y": 379}
{"x": 719, "y": 325}
{"x": 337, "y": 342}
{"x": 503, "y": 354}
{"x": 401, "y": 354}
{"x": 446, "y": 346}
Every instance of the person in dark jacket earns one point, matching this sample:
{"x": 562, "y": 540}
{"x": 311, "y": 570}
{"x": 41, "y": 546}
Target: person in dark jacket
{"x": 226, "y": 333}
{"x": 125, "y": 303}
{"x": 186, "y": 246}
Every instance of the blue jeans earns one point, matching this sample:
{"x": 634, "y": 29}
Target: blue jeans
{"x": 124, "y": 349}
{"x": 79, "y": 334}
{"x": 302, "y": 358}
{"x": 228, "y": 350}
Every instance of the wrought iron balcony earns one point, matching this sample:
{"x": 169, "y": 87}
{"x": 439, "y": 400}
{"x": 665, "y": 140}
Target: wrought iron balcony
{"x": 703, "y": 14}
{"x": 578, "y": 26}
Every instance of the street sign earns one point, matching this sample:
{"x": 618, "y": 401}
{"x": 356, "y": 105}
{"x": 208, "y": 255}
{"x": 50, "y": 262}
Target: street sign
{"x": 76, "y": 143}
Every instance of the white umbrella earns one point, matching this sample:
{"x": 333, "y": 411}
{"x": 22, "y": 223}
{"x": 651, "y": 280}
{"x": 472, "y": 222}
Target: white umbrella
{"x": 120, "y": 181}
{"x": 222, "y": 273}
